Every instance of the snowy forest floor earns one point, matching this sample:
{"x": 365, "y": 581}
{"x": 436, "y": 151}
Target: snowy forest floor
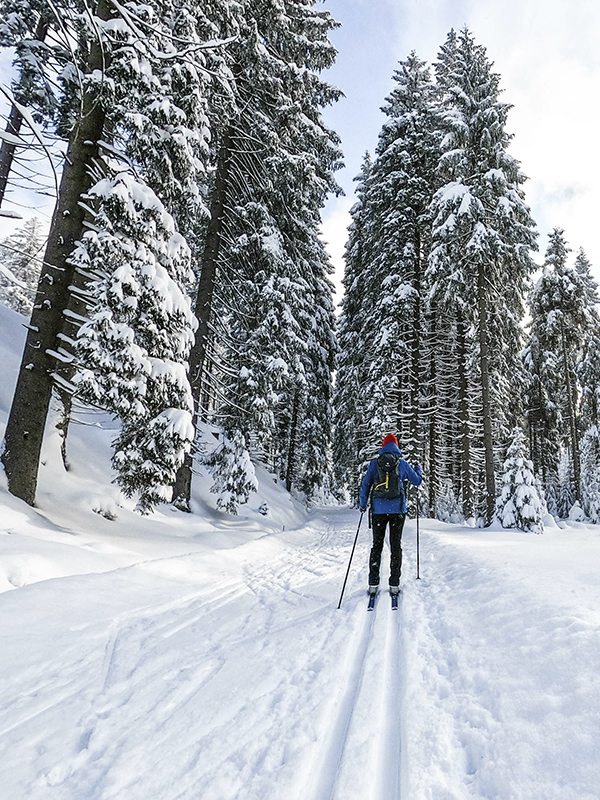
{"x": 229, "y": 673}
{"x": 202, "y": 657}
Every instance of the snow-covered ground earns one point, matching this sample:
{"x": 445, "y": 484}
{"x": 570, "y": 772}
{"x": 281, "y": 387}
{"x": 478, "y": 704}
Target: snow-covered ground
{"x": 202, "y": 657}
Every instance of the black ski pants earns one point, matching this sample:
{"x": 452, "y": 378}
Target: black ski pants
{"x": 380, "y": 522}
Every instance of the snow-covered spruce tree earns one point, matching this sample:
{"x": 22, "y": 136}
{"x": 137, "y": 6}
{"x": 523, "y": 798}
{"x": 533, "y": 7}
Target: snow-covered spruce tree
{"x": 558, "y": 327}
{"x": 519, "y": 504}
{"x": 134, "y": 348}
{"x": 351, "y": 434}
{"x": 482, "y": 238}
{"x": 20, "y": 265}
{"x": 588, "y": 374}
{"x": 129, "y": 59}
{"x": 277, "y": 169}
{"x": 24, "y": 26}
{"x": 447, "y": 507}
{"x": 566, "y": 485}
{"x": 588, "y": 363}
{"x": 159, "y": 109}
{"x": 31, "y": 401}
{"x": 590, "y": 474}
{"x": 401, "y": 186}
{"x": 235, "y": 477}
{"x": 315, "y": 458}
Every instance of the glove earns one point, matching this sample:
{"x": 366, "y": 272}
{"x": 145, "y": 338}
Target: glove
{"x": 362, "y": 510}
{"x": 417, "y": 468}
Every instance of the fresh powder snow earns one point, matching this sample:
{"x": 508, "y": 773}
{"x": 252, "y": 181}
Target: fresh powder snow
{"x": 179, "y": 657}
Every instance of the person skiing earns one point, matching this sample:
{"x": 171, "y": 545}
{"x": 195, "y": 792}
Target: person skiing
{"x": 383, "y": 484}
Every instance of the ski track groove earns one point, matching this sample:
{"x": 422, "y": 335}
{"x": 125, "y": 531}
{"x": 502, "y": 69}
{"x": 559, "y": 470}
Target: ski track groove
{"x": 337, "y": 738}
{"x": 387, "y": 782}
{"x": 373, "y": 691}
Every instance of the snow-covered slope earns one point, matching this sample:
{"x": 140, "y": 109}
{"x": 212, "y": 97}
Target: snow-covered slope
{"x": 202, "y": 657}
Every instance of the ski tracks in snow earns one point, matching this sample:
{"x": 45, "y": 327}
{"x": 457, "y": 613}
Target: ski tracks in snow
{"x": 360, "y": 750}
{"x": 502, "y": 694}
{"x": 216, "y": 694}
{"x": 246, "y": 683}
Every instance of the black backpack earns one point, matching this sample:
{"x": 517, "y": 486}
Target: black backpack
{"x": 387, "y": 481}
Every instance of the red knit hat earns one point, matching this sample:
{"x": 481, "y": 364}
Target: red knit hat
{"x": 390, "y": 438}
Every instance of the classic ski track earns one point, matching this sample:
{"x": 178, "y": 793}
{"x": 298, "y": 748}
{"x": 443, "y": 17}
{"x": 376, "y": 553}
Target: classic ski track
{"x": 387, "y": 781}
{"x": 328, "y": 772}
{"x": 376, "y": 655}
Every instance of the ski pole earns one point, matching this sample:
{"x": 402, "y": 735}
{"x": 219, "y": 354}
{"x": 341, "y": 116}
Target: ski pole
{"x": 418, "y": 543}
{"x": 351, "y": 556}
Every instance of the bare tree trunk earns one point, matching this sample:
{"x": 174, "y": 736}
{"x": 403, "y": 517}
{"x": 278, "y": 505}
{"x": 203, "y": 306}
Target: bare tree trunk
{"x": 29, "y": 411}
{"x": 182, "y": 488}
{"x": 572, "y": 404}
{"x": 291, "y": 459}
{"x": 465, "y": 438}
{"x": 486, "y": 402}
{"x": 415, "y": 385}
{"x": 432, "y": 476}
{"x": 13, "y": 126}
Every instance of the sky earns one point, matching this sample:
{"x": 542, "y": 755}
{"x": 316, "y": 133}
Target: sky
{"x": 547, "y": 53}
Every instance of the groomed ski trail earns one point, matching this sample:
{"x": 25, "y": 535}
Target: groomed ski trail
{"x": 229, "y": 674}
{"x": 361, "y": 752}
{"x": 211, "y": 687}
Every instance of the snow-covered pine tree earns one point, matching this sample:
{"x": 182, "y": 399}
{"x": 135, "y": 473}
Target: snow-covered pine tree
{"x": 235, "y": 477}
{"x": 447, "y": 507}
{"x": 316, "y": 474}
{"x": 401, "y": 186}
{"x": 588, "y": 374}
{"x": 566, "y": 487}
{"x": 29, "y": 410}
{"x": 519, "y": 504}
{"x": 160, "y": 109}
{"x": 383, "y": 325}
{"x": 588, "y": 363}
{"x": 136, "y": 70}
{"x": 590, "y": 474}
{"x": 134, "y": 349}
{"x": 558, "y": 328}
{"x": 280, "y": 164}
{"x": 351, "y": 434}
{"x": 482, "y": 238}
{"x": 20, "y": 266}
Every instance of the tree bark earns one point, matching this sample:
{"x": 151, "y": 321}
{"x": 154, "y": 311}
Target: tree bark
{"x": 433, "y": 454}
{"x": 486, "y": 402}
{"x": 182, "y": 487}
{"x": 571, "y": 401}
{"x": 29, "y": 411}
{"x": 291, "y": 459}
{"x": 415, "y": 389}
{"x": 465, "y": 437}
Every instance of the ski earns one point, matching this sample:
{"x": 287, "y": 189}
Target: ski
{"x": 372, "y": 598}
{"x": 394, "y": 601}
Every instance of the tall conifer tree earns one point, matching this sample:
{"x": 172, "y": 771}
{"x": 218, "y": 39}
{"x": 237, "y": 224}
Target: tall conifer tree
{"x": 482, "y": 238}
{"x": 278, "y": 162}
{"x": 560, "y": 310}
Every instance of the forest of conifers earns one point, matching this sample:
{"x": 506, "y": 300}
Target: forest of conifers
{"x": 184, "y": 282}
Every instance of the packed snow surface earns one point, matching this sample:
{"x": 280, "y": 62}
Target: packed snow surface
{"x": 203, "y": 657}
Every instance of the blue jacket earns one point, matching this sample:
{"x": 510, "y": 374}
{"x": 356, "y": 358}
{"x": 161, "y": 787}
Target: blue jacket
{"x": 384, "y": 505}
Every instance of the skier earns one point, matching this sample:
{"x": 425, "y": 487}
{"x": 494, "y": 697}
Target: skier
{"x": 383, "y": 482}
